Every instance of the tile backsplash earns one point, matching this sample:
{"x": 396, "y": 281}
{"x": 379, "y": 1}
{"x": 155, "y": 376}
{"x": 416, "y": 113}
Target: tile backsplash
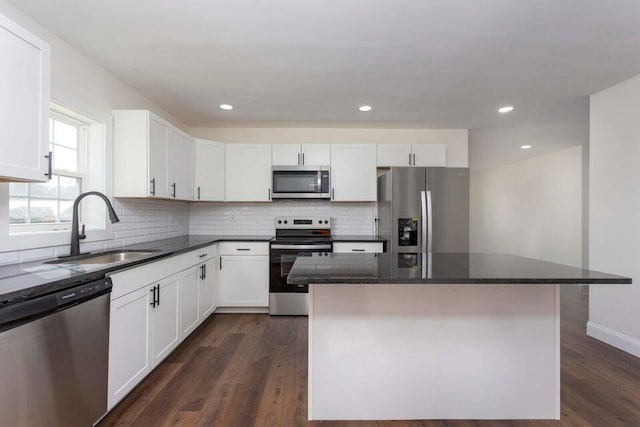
{"x": 147, "y": 220}
{"x": 258, "y": 218}
{"x": 140, "y": 221}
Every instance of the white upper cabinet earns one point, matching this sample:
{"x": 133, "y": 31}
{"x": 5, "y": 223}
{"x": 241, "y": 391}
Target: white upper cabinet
{"x": 209, "y": 171}
{"x": 286, "y": 154}
{"x": 25, "y": 85}
{"x": 301, "y": 154}
{"x": 411, "y": 155}
{"x": 150, "y": 156}
{"x": 429, "y": 154}
{"x": 180, "y": 165}
{"x": 394, "y": 155}
{"x": 248, "y": 172}
{"x": 353, "y": 172}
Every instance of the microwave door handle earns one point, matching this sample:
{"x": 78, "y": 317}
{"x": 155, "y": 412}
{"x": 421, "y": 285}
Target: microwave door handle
{"x": 319, "y": 182}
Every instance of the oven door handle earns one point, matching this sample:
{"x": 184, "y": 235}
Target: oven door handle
{"x": 303, "y": 247}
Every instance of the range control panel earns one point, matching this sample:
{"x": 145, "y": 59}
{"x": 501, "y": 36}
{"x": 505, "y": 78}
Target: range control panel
{"x": 292, "y": 222}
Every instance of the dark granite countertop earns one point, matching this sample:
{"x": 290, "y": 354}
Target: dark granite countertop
{"x": 30, "y": 279}
{"x": 440, "y": 268}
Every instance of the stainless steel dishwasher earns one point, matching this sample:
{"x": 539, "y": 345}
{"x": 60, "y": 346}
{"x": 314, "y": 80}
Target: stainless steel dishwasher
{"x": 53, "y": 358}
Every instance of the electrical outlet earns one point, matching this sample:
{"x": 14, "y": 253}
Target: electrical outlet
{"x": 232, "y": 217}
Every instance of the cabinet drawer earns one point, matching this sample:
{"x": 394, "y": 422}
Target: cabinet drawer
{"x": 198, "y": 256}
{"x": 371, "y": 247}
{"x": 244, "y": 248}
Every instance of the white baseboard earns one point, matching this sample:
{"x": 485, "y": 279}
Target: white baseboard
{"x": 616, "y": 339}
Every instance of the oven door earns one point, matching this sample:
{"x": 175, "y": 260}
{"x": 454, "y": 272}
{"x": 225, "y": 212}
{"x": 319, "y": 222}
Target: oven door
{"x": 282, "y": 258}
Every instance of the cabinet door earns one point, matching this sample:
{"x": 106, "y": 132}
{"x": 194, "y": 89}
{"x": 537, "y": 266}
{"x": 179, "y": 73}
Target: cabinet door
{"x": 394, "y": 155}
{"x": 129, "y": 339}
{"x": 207, "y": 289}
{"x": 189, "y": 288}
{"x": 429, "y": 154}
{"x": 316, "y": 154}
{"x": 286, "y": 155}
{"x": 25, "y": 81}
{"x": 180, "y": 165}
{"x": 158, "y": 157}
{"x": 248, "y": 172}
{"x": 244, "y": 281}
{"x": 209, "y": 170}
{"x": 165, "y": 332}
{"x": 353, "y": 172}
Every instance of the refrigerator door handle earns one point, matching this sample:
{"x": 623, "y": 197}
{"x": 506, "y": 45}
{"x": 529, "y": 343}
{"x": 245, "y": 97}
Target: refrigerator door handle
{"x": 423, "y": 221}
{"x": 429, "y": 222}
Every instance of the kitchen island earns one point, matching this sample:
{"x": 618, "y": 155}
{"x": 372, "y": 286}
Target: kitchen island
{"x": 435, "y": 336}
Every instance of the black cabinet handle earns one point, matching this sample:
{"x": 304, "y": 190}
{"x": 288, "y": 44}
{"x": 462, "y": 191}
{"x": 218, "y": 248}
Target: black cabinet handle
{"x": 243, "y": 249}
{"x": 158, "y": 302}
{"x": 49, "y": 157}
{"x": 153, "y": 301}
{"x": 203, "y": 255}
{"x": 202, "y": 272}
{"x": 153, "y": 187}
{"x": 174, "y": 189}
{"x": 204, "y": 268}
{"x": 220, "y": 263}
{"x": 198, "y": 193}
{"x": 357, "y": 250}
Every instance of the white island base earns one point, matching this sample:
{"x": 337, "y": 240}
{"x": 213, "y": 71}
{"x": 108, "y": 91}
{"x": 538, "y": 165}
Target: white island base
{"x": 382, "y": 352}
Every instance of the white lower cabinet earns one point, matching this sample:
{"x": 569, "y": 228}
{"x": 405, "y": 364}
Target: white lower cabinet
{"x": 129, "y": 343}
{"x": 244, "y": 281}
{"x": 148, "y": 322}
{"x": 189, "y": 319}
{"x": 207, "y": 288}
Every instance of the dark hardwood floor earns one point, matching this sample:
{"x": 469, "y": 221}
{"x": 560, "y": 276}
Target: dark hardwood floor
{"x": 245, "y": 370}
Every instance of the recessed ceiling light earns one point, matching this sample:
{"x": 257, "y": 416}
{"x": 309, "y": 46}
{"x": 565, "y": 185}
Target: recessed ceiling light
{"x": 505, "y": 109}
{"x": 525, "y": 147}
{"x": 365, "y": 108}
{"x": 226, "y": 106}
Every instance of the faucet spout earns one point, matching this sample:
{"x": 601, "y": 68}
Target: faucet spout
{"x": 75, "y": 233}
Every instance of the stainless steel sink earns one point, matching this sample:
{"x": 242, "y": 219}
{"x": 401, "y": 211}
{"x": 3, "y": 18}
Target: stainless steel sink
{"x": 110, "y": 257}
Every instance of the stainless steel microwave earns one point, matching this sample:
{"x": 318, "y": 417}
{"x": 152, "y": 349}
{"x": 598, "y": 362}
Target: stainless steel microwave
{"x": 301, "y": 182}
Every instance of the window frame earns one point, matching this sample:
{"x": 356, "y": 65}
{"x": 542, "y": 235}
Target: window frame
{"x": 81, "y": 173}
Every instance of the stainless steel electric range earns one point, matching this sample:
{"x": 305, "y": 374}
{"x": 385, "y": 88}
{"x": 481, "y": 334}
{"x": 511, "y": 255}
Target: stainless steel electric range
{"x": 295, "y": 237}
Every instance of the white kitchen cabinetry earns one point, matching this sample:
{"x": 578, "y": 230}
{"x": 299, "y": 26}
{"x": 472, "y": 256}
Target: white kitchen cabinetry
{"x": 180, "y": 165}
{"x": 367, "y": 247}
{"x": 143, "y": 330}
{"x": 189, "y": 288}
{"x": 248, "y": 172}
{"x": 209, "y": 170}
{"x": 153, "y": 308}
{"x": 150, "y": 156}
{"x": 353, "y": 172}
{"x": 243, "y": 274}
{"x": 25, "y": 85}
{"x": 411, "y": 155}
{"x": 207, "y": 293}
{"x": 301, "y": 154}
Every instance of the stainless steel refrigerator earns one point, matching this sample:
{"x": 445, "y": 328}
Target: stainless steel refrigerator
{"x": 424, "y": 209}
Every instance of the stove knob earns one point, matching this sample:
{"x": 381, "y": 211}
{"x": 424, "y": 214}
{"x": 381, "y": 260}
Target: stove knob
{"x": 286, "y": 222}
{"x": 326, "y": 222}
{"x": 279, "y": 221}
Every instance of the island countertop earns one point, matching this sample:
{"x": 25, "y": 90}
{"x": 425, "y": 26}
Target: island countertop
{"x": 440, "y": 268}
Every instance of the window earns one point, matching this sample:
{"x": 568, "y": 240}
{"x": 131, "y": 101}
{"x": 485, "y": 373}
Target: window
{"x": 48, "y": 206}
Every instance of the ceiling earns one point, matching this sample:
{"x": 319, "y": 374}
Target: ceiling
{"x": 419, "y": 63}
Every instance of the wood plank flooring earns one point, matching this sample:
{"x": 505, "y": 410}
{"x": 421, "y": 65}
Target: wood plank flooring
{"x": 251, "y": 370}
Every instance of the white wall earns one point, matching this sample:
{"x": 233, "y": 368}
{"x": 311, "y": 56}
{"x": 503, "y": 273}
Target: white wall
{"x": 83, "y": 85}
{"x": 456, "y": 140}
{"x": 498, "y": 147}
{"x": 531, "y": 208}
{"x": 614, "y": 227}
